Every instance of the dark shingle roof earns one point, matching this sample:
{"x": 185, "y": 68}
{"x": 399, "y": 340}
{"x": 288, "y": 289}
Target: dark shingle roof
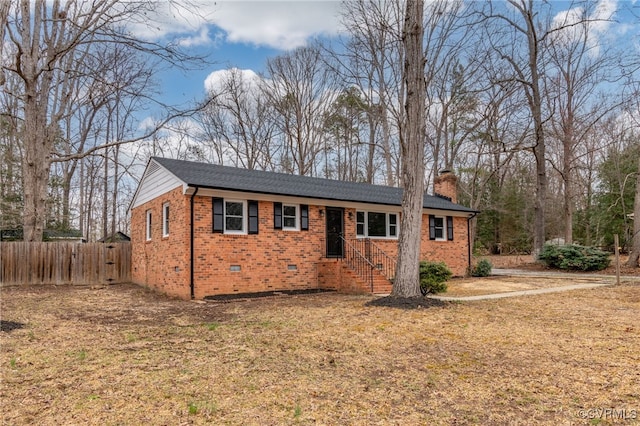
{"x": 235, "y": 179}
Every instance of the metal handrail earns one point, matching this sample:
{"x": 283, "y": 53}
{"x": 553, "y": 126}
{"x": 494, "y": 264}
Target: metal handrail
{"x": 358, "y": 262}
{"x": 375, "y": 255}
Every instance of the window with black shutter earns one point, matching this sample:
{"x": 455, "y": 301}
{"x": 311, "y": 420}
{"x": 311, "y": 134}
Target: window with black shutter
{"x": 218, "y": 215}
{"x": 277, "y": 215}
{"x": 253, "y": 217}
{"x": 304, "y": 217}
{"x": 437, "y": 228}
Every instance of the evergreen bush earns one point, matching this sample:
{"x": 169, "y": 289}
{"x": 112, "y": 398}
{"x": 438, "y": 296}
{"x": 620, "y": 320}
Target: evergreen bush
{"x": 574, "y": 257}
{"x": 433, "y": 277}
{"x": 482, "y": 268}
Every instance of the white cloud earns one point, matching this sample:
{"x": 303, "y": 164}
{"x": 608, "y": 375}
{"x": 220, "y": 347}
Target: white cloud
{"x": 172, "y": 18}
{"x": 216, "y": 81}
{"x": 201, "y": 39}
{"x": 599, "y": 20}
{"x": 281, "y": 25}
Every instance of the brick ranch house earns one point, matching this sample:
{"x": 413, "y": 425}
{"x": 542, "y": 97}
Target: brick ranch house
{"x": 201, "y": 230}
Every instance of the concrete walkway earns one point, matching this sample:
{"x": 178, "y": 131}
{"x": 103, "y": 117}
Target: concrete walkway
{"x": 519, "y": 293}
{"x": 602, "y": 281}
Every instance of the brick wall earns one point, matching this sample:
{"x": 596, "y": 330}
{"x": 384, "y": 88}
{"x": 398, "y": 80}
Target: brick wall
{"x": 269, "y": 261}
{"x": 446, "y": 183}
{"x": 162, "y": 262}
{"x": 453, "y": 253}
{"x": 274, "y": 259}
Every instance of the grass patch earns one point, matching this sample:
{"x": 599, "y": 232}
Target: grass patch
{"x": 212, "y": 326}
{"x": 323, "y": 358}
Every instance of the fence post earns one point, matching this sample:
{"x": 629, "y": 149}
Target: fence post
{"x": 616, "y": 243}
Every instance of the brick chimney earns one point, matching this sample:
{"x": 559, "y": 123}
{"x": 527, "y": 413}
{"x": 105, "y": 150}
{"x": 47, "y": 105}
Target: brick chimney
{"x": 445, "y": 185}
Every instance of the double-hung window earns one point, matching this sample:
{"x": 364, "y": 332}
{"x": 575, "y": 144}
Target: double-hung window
{"x": 440, "y": 228}
{"x": 376, "y": 224}
{"x": 165, "y": 220}
{"x": 148, "y": 225}
{"x": 235, "y": 216}
{"x": 292, "y": 217}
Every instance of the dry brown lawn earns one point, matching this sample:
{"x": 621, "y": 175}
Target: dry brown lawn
{"x": 121, "y": 355}
{"x": 460, "y": 287}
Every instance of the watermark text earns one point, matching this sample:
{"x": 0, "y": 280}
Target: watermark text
{"x": 604, "y": 413}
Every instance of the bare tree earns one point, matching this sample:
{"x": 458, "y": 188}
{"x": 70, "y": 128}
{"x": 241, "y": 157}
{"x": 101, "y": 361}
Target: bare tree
{"x": 48, "y": 42}
{"x": 451, "y": 73}
{"x": 519, "y": 40}
{"x": 344, "y": 123}
{"x": 493, "y": 145}
{"x": 579, "y": 74}
{"x": 412, "y": 137}
{"x": 238, "y": 118}
{"x": 371, "y": 59}
{"x": 634, "y": 256}
{"x": 4, "y": 14}
{"x": 301, "y": 89}
{"x": 10, "y": 168}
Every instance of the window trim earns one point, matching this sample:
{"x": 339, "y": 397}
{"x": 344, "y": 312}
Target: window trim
{"x": 296, "y": 217}
{"x": 301, "y": 220}
{"x": 149, "y": 223}
{"x": 443, "y": 228}
{"x": 447, "y": 228}
{"x": 250, "y": 216}
{"x": 165, "y": 219}
{"x": 387, "y": 221}
{"x": 243, "y": 231}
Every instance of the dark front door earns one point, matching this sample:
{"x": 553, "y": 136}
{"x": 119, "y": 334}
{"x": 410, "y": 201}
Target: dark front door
{"x": 335, "y": 229}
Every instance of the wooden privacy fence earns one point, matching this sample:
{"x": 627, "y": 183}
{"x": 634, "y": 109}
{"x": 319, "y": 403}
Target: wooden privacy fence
{"x": 23, "y": 263}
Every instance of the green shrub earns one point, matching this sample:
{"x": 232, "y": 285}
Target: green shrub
{"x": 482, "y": 268}
{"x": 574, "y": 257}
{"x": 433, "y": 277}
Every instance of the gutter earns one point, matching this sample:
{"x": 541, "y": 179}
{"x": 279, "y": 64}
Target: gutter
{"x": 191, "y": 242}
{"x": 474, "y": 214}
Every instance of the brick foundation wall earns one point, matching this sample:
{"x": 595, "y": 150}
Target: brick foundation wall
{"x": 269, "y": 261}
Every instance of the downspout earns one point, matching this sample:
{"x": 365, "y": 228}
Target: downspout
{"x": 469, "y": 241}
{"x": 192, "y": 260}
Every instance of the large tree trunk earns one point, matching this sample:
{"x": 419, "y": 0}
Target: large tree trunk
{"x": 634, "y": 257}
{"x": 412, "y": 155}
{"x": 35, "y": 165}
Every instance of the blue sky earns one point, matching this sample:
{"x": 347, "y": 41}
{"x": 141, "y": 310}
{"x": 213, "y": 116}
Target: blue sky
{"x": 243, "y": 34}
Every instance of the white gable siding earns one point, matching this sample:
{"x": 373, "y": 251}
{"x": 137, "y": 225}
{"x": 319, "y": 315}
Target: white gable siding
{"x": 155, "y": 182}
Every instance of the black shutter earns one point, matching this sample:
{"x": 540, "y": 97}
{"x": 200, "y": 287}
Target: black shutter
{"x": 450, "y": 228}
{"x": 304, "y": 217}
{"x": 432, "y": 227}
{"x": 277, "y": 215}
{"x": 218, "y": 215}
{"x": 253, "y": 217}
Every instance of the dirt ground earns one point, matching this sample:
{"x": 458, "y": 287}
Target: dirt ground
{"x": 121, "y": 354}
